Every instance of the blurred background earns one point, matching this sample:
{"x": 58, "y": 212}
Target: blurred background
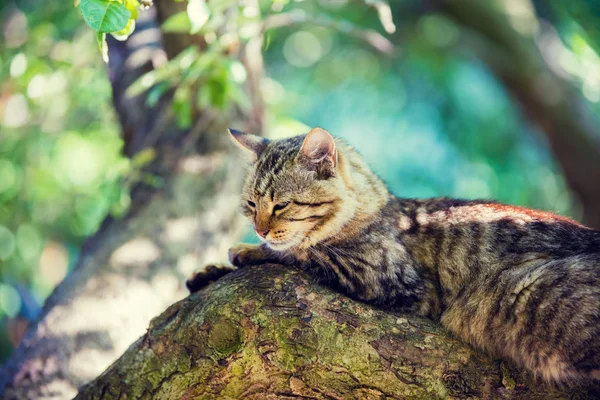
{"x": 430, "y": 117}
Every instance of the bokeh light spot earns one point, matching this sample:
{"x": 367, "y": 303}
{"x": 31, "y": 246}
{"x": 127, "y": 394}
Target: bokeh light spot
{"x": 29, "y": 242}
{"x": 302, "y": 49}
{"x": 37, "y": 86}
{"x": 439, "y": 30}
{"x": 7, "y": 243}
{"x": 15, "y": 29}
{"x": 8, "y": 175}
{"x": 10, "y": 301}
{"x": 16, "y": 111}
{"x": 78, "y": 160}
{"x": 18, "y": 65}
{"x": 54, "y": 263}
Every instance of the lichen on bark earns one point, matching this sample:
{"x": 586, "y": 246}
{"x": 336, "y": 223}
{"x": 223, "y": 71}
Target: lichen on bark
{"x": 271, "y": 332}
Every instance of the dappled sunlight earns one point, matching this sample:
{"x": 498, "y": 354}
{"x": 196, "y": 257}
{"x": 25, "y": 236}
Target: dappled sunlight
{"x": 198, "y": 164}
{"x": 189, "y": 263}
{"x": 165, "y": 283}
{"x": 136, "y": 253}
{"x": 181, "y": 229}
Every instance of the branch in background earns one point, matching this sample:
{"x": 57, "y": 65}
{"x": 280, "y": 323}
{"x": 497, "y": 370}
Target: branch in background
{"x": 384, "y": 12}
{"x": 548, "y": 100}
{"x": 373, "y": 38}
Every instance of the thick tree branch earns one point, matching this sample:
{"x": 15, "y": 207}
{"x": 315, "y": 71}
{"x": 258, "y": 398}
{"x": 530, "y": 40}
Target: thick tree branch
{"x": 270, "y": 332}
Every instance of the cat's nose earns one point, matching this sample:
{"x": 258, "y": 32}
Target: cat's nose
{"x": 262, "y": 234}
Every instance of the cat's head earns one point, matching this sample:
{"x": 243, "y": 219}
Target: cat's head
{"x": 297, "y": 190}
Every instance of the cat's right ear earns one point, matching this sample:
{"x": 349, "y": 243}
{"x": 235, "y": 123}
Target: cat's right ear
{"x": 253, "y": 143}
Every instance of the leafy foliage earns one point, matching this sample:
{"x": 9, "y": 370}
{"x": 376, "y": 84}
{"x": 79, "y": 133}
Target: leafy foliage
{"x": 116, "y": 17}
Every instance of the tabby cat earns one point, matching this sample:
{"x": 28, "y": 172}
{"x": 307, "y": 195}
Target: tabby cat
{"x": 522, "y": 284}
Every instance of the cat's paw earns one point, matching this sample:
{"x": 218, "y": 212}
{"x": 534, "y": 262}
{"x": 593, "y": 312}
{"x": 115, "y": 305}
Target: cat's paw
{"x": 241, "y": 255}
{"x": 207, "y": 275}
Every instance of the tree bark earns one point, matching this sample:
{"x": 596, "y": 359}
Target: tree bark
{"x": 270, "y": 332}
{"x": 135, "y": 267}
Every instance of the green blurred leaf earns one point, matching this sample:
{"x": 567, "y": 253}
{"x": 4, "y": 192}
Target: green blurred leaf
{"x": 144, "y": 157}
{"x": 177, "y": 23}
{"x": 155, "y": 93}
{"x": 105, "y": 16}
{"x": 182, "y": 106}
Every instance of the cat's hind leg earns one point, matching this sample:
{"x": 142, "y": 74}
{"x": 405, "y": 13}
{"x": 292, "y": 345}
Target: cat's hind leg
{"x": 207, "y": 275}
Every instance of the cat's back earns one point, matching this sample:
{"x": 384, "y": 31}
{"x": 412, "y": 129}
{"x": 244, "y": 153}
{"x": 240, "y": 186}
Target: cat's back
{"x": 490, "y": 227}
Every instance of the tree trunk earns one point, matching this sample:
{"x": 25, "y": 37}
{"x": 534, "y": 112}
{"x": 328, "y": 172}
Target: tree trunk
{"x": 270, "y": 332}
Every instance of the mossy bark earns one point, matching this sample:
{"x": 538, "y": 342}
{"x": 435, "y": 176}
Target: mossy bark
{"x": 270, "y": 332}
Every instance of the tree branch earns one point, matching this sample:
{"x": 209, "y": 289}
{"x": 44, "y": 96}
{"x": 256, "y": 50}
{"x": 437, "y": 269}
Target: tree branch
{"x": 371, "y": 37}
{"x": 270, "y": 332}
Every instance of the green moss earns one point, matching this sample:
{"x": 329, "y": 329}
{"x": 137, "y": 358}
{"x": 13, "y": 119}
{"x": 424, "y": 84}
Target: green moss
{"x": 224, "y": 338}
{"x": 260, "y": 319}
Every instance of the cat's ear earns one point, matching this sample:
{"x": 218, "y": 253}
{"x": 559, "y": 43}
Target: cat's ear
{"x": 319, "y": 149}
{"x": 254, "y": 143}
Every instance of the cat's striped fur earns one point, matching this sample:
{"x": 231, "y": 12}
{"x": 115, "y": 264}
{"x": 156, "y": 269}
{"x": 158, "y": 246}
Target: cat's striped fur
{"x": 521, "y": 284}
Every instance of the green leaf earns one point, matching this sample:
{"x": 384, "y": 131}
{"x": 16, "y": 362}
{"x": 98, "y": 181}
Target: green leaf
{"x": 101, "y": 38}
{"x": 123, "y": 34}
{"x": 132, "y": 6}
{"x": 182, "y": 106}
{"x": 177, "y": 23}
{"x": 144, "y": 157}
{"x": 105, "y": 16}
{"x": 155, "y": 93}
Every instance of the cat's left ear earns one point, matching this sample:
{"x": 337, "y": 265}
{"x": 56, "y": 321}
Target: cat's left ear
{"x": 256, "y": 144}
{"x": 319, "y": 149}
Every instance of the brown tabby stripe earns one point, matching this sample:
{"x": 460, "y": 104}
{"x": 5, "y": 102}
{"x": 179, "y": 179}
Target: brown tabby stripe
{"x": 317, "y": 204}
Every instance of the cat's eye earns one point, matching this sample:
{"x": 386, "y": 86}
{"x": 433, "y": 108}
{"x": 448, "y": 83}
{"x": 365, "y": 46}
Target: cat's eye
{"x": 251, "y": 204}
{"x": 280, "y": 206}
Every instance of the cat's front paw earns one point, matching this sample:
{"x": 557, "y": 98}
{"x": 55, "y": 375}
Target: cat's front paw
{"x": 207, "y": 275}
{"x": 241, "y": 255}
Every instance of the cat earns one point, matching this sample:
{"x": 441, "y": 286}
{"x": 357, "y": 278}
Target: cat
{"x": 521, "y": 284}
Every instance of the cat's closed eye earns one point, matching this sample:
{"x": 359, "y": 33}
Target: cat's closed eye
{"x": 251, "y": 204}
{"x": 280, "y": 206}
